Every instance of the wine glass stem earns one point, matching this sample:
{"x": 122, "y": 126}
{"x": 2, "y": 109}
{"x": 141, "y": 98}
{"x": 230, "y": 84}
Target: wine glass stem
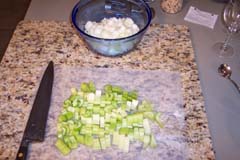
{"x": 226, "y": 42}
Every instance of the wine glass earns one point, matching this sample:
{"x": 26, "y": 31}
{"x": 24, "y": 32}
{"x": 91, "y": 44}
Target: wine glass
{"x": 231, "y": 19}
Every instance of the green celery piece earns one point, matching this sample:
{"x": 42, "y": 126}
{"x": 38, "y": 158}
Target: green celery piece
{"x": 92, "y": 87}
{"x": 115, "y": 138}
{"x": 62, "y": 129}
{"x": 70, "y": 141}
{"x": 88, "y": 140}
{"x": 80, "y": 139}
{"x": 137, "y": 124}
{"x": 107, "y": 128}
{"x": 69, "y": 115}
{"x": 103, "y": 143}
{"x": 62, "y": 118}
{"x": 117, "y": 89}
{"x": 146, "y": 126}
{"x": 118, "y": 98}
{"x": 96, "y": 144}
{"x": 82, "y": 111}
{"x": 86, "y": 120}
{"x": 101, "y": 112}
{"x": 96, "y": 109}
{"x": 119, "y": 121}
{"x": 101, "y": 132}
{"x": 123, "y": 131}
{"x": 74, "y": 91}
{"x": 86, "y": 130}
{"x": 108, "y": 108}
{"x": 88, "y": 113}
{"x": 112, "y": 126}
{"x": 130, "y": 131}
{"x": 124, "y": 122}
{"x": 102, "y": 122}
{"x": 149, "y": 115}
{"x": 113, "y": 120}
{"x": 96, "y": 130}
{"x": 153, "y": 142}
{"x": 85, "y": 87}
{"x": 71, "y": 109}
{"x": 158, "y": 120}
{"x": 114, "y": 104}
{"x": 108, "y": 88}
{"x": 62, "y": 147}
{"x": 107, "y": 117}
{"x": 97, "y": 101}
{"x": 67, "y": 103}
{"x": 96, "y": 119}
{"x": 90, "y": 106}
{"x": 136, "y": 133}
{"x": 141, "y": 132}
{"x": 145, "y": 106}
{"x": 73, "y": 97}
{"x": 123, "y": 106}
{"x": 125, "y": 95}
{"x": 75, "y": 103}
{"x": 146, "y": 140}
{"x": 132, "y": 95}
{"x": 108, "y": 140}
{"x": 134, "y": 118}
{"x": 76, "y": 116}
{"x": 109, "y": 96}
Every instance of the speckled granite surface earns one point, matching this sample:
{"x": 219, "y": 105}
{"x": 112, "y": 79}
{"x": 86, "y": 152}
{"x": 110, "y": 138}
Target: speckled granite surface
{"x": 35, "y": 43}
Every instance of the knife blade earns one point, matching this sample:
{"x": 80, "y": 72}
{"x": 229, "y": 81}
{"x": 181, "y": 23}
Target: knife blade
{"x": 35, "y": 128}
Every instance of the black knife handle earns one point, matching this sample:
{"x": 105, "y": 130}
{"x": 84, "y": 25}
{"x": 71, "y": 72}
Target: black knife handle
{"x": 22, "y": 153}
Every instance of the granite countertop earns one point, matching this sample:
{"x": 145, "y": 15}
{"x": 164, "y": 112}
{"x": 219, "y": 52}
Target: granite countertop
{"x": 35, "y": 43}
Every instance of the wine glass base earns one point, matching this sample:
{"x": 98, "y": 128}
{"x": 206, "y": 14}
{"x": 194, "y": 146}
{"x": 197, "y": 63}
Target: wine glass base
{"x": 223, "y": 52}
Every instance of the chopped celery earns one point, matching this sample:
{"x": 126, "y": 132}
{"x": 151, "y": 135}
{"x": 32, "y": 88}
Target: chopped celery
{"x": 108, "y": 140}
{"x": 88, "y": 140}
{"x": 115, "y": 139}
{"x": 62, "y": 147}
{"x": 70, "y": 141}
{"x": 92, "y": 87}
{"x": 123, "y": 131}
{"x": 98, "y": 119}
{"x": 80, "y": 139}
{"x": 153, "y": 142}
{"x": 103, "y": 143}
{"x": 108, "y": 88}
{"x": 146, "y": 126}
{"x": 84, "y": 87}
{"x": 117, "y": 89}
{"x": 96, "y": 144}
{"x": 146, "y": 140}
{"x": 62, "y": 118}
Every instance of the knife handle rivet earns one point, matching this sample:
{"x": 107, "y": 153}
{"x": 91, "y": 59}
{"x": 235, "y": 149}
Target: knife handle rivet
{"x": 20, "y": 155}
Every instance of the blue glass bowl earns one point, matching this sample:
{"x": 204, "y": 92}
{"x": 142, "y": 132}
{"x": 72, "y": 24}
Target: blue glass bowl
{"x": 96, "y": 10}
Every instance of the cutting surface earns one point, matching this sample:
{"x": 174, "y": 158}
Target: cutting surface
{"x": 162, "y": 89}
{"x": 35, "y": 43}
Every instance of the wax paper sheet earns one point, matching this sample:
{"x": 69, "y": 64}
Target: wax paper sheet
{"x": 162, "y": 88}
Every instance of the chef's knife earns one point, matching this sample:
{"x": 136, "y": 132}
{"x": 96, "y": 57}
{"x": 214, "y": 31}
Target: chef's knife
{"x": 35, "y": 128}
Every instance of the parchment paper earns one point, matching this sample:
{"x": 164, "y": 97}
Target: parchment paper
{"x": 162, "y": 88}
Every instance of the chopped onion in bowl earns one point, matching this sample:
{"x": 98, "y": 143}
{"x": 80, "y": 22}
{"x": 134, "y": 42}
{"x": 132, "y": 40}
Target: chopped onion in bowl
{"x": 112, "y": 28}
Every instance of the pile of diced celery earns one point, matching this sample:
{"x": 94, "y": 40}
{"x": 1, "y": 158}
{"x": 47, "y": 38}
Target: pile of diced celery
{"x": 102, "y": 118}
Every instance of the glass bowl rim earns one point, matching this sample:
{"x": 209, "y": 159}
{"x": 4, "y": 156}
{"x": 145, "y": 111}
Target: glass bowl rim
{"x": 147, "y": 8}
